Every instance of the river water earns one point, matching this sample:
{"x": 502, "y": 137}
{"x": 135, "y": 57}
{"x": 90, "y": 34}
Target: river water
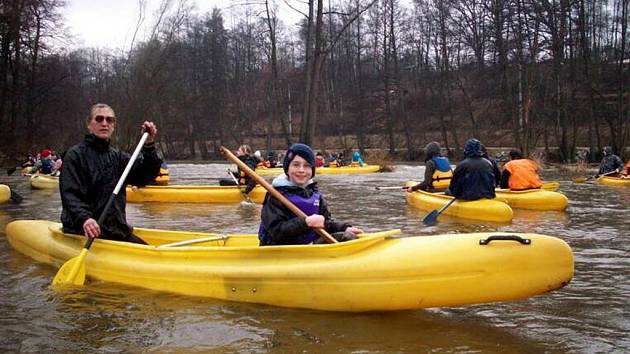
{"x": 590, "y": 315}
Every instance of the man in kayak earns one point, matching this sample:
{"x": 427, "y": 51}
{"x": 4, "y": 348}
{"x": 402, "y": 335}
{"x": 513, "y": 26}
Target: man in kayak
{"x": 610, "y": 163}
{"x": 437, "y": 170}
{"x": 279, "y": 225}
{"x": 473, "y": 177}
{"x": 91, "y": 170}
{"x": 520, "y": 173}
{"x": 244, "y": 153}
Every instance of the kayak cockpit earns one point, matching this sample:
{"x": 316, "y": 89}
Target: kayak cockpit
{"x": 164, "y": 239}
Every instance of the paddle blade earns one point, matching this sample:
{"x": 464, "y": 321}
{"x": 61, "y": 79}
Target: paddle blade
{"x": 11, "y": 170}
{"x": 431, "y": 219}
{"x": 580, "y": 179}
{"x": 73, "y": 271}
{"x": 16, "y": 198}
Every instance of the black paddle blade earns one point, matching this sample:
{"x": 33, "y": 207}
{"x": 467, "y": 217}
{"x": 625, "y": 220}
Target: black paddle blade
{"x": 431, "y": 219}
{"x": 16, "y": 198}
{"x": 11, "y": 170}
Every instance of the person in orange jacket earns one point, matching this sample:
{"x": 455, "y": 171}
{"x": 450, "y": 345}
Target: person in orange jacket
{"x": 626, "y": 170}
{"x": 520, "y": 173}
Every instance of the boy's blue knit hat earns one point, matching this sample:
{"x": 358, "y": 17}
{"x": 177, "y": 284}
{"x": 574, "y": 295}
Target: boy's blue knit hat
{"x": 302, "y": 150}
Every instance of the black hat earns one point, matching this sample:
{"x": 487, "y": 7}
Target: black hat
{"x": 302, "y": 150}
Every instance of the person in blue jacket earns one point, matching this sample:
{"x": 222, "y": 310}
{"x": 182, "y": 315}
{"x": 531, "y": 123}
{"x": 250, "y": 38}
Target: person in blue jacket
{"x": 279, "y": 225}
{"x": 473, "y": 177}
{"x": 357, "y": 160}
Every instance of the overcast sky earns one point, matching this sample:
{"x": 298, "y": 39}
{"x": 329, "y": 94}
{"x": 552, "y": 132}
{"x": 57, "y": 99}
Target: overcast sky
{"x": 110, "y": 23}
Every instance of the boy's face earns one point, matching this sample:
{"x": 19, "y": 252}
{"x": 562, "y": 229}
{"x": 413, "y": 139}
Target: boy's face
{"x": 300, "y": 171}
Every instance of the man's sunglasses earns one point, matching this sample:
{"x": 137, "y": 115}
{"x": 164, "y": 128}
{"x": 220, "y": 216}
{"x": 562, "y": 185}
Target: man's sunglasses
{"x": 110, "y": 120}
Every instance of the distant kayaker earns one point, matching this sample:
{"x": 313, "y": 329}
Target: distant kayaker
{"x": 520, "y": 173}
{"x": 45, "y": 165}
{"x": 319, "y": 160}
{"x": 473, "y": 177}
{"x": 91, "y": 170}
{"x": 279, "y": 225}
{"x": 495, "y": 166}
{"x": 437, "y": 170}
{"x": 610, "y": 163}
{"x": 271, "y": 159}
{"x": 357, "y": 161}
{"x": 244, "y": 153}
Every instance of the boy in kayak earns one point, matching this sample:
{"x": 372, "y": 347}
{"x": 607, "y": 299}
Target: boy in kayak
{"x": 473, "y": 177}
{"x": 520, "y": 173}
{"x": 91, "y": 170}
{"x": 437, "y": 170}
{"x": 610, "y": 163}
{"x": 279, "y": 225}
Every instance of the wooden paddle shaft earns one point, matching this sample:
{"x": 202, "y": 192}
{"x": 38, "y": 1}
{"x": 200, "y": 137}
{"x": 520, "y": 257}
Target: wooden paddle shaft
{"x": 323, "y": 233}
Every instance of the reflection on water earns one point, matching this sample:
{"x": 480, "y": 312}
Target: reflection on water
{"x": 589, "y": 315}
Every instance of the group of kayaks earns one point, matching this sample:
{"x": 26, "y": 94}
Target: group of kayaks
{"x": 498, "y": 209}
{"x": 385, "y": 270}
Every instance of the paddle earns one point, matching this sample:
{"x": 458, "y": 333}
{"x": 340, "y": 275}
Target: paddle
{"x": 11, "y": 170}
{"x": 248, "y": 200}
{"x": 73, "y": 271}
{"x": 431, "y": 218}
{"x": 273, "y": 192}
{"x": 15, "y": 197}
{"x": 584, "y": 179}
{"x": 392, "y": 187}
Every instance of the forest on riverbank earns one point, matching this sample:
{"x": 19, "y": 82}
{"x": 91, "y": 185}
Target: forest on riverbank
{"x": 540, "y": 75}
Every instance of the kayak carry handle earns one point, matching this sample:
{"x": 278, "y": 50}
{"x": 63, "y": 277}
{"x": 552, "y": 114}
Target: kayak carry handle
{"x": 524, "y": 241}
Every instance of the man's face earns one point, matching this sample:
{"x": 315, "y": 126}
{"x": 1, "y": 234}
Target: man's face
{"x": 102, "y": 123}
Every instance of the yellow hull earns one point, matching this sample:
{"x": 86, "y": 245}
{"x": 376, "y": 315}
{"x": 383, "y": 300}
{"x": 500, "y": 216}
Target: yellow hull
{"x": 324, "y": 170}
{"x": 5, "y": 193}
{"x": 614, "y": 181}
{"x": 193, "y": 194}
{"x": 44, "y": 182}
{"x": 533, "y": 199}
{"x": 374, "y": 273}
{"x": 483, "y": 209}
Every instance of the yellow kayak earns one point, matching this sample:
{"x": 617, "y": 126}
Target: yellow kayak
{"x": 163, "y": 178}
{"x": 5, "y": 193}
{"x": 44, "y": 182}
{"x": 378, "y": 272}
{"x": 533, "y": 199}
{"x": 193, "y": 194}
{"x": 482, "y": 209}
{"x": 613, "y": 181}
{"x": 324, "y": 170}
